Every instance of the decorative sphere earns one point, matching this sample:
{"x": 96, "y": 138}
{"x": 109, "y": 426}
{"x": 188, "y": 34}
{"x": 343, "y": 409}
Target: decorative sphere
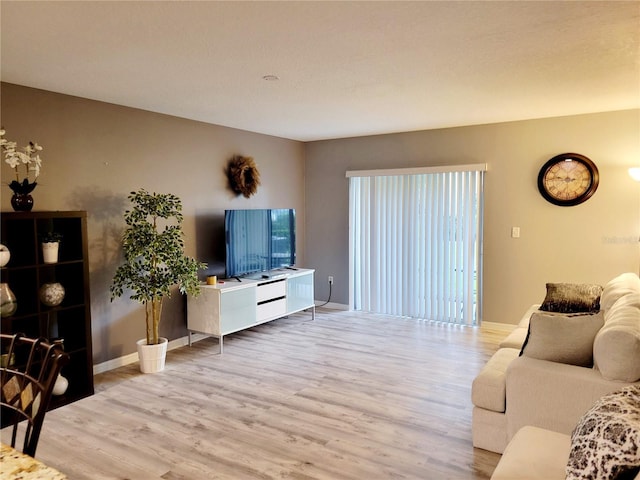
{"x": 52, "y": 294}
{"x": 5, "y": 255}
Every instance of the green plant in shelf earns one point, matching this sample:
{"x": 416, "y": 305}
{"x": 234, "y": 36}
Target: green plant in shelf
{"x": 154, "y": 259}
{"x": 51, "y": 237}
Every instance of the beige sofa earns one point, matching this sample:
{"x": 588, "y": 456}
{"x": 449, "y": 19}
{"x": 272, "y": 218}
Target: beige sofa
{"x": 514, "y": 390}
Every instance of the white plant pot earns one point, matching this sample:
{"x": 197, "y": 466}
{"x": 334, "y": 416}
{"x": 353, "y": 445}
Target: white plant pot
{"x": 152, "y": 357}
{"x": 50, "y": 252}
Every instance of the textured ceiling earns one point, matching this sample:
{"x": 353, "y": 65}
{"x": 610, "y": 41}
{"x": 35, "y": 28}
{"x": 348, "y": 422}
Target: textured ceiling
{"x": 345, "y": 68}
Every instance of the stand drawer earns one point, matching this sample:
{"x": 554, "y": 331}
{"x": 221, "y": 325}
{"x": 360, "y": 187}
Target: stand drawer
{"x": 274, "y": 309}
{"x": 267, "y": 291}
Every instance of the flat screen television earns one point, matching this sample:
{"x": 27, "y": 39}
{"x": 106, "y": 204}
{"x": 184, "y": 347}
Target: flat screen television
{"x": 259, "y": 240}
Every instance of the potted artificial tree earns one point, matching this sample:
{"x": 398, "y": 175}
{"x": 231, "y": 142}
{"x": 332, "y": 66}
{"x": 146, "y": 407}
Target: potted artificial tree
{"x": 154, "y": 262}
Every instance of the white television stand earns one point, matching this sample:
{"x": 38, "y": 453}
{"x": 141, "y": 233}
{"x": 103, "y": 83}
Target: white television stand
{"x": 237, "y": 304}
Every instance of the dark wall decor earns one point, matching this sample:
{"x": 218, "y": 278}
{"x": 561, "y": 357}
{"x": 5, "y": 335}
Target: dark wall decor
{"x": 568, "y": 179}
{"x": 243, "y": 174}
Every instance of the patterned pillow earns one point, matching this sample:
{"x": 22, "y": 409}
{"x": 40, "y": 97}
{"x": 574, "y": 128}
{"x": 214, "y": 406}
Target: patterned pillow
{"x": 606, "y": 441}
{"x": 572, "y": 298}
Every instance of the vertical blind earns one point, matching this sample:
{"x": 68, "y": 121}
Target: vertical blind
{"x": 415, "y": 242}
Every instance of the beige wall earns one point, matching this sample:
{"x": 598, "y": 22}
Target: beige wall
{"x": 591, "y": 242}
{"x": 96, "y": 153}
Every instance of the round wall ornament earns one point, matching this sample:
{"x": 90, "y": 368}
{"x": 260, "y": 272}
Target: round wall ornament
{"x": 243, "y": 175}
{"x": 568, "y": 179}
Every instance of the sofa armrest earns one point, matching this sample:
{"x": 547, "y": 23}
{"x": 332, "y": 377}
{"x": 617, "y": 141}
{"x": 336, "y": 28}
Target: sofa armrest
{"x": 551, "y": 395}
{"x": 517, "y": 337}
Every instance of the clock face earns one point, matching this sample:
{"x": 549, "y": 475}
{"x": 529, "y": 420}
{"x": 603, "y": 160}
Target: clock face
{"x": 568, "y": 179}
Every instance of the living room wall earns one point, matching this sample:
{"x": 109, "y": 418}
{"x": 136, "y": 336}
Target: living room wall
{"x": 589, "y": 243}
{"x": 96, "y": 153}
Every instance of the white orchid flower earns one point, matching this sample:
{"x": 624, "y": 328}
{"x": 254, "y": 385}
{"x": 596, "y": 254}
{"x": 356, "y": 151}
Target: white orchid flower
{"x": 9, "y": 146}
{"x": 35, "y": 165}
{"x": 28, "y": 157}
{"x": 12, "y": 160}
{"x": 24, "y": 157}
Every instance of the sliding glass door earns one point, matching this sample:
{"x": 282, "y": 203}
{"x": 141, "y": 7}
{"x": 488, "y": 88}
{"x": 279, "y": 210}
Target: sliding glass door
{"x": 416, "y": 242}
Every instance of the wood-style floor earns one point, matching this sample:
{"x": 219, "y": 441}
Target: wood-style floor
{"x": 347, "y": 396}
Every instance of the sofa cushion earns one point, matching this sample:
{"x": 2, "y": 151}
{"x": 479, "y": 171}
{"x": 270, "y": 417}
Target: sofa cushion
{"x": 572, "y": 297}
{"x": 617, "y": 287}
{"x": 551, "y": 395}
{"x": 488, "y": 389}
{"x": 616, "y": 348}
{"x": 563, "y": 338}
{"x": 606, "y": 441}
{"x": 534, "y": 453}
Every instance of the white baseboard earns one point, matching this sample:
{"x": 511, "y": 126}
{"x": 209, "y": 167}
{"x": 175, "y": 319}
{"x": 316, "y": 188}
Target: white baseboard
{"x": 177, "y": 343}
{"x": 182, "y": 341}
{"x": 133, "y": 357}
{"x": 333, "y": 306}
{"x": 501, "y": 327}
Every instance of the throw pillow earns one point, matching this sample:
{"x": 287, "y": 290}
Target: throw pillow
{"x": 606, "y": 441}
{"x": 572, "y": 297}
{"x": 562, "y": 338}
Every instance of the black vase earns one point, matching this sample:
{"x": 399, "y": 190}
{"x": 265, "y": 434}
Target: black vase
{"x": 22, "y": 202}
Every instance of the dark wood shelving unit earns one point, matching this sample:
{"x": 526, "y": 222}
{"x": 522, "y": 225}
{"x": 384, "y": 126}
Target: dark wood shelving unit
{"x": 26, "y": 273}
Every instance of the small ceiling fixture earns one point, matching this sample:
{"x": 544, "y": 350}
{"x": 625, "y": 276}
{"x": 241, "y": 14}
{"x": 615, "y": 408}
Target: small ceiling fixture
{"x": 270, "y": 78}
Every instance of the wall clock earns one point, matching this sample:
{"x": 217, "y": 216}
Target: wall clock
{"x": 568, "y": 179}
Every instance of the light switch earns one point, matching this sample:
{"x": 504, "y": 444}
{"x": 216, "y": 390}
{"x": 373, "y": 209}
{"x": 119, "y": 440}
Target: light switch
{"x": 515, "y": 232}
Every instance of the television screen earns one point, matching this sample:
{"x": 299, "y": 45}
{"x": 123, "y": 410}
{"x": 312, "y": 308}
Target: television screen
{"x": 259, "y": 240}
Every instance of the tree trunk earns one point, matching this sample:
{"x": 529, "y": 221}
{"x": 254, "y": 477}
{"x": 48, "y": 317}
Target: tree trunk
{"x": 156, "y": 304}
{"x": 148, "y": 316}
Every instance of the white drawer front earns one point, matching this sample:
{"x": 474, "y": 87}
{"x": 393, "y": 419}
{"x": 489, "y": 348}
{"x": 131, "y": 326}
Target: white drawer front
{"x": 271, "y": 290}
{"x": 270, "y": 310}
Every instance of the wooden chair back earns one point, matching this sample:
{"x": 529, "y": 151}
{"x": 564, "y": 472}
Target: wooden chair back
{"x": 28, "y": 373}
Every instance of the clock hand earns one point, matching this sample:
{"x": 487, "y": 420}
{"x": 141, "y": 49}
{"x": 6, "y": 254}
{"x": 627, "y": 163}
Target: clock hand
{"x": 566, "y": 179}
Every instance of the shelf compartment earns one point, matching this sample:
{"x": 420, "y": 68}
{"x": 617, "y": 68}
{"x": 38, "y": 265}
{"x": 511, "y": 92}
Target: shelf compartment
{"x": 19, "y": 236}
{"x": 69, "y": 325}
{"x": 71, "y": 244}
{"x": 26, "y": 272}
{"x": 21, "y": 281}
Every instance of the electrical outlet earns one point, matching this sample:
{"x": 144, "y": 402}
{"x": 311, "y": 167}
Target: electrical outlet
{"x": 330, "y": 279}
